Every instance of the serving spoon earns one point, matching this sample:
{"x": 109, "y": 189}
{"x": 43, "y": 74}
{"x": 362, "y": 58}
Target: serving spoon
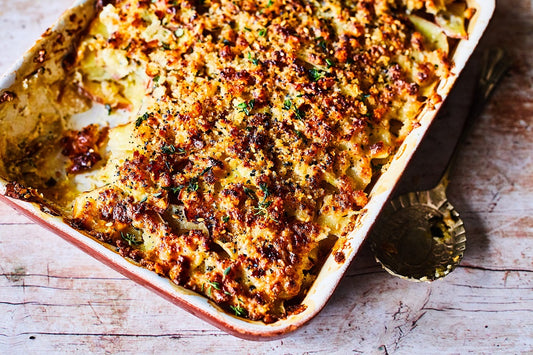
{"x": 420, "y": 236}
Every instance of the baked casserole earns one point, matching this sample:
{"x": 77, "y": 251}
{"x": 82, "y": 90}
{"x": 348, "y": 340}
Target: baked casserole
{"x": 228, "y": 145}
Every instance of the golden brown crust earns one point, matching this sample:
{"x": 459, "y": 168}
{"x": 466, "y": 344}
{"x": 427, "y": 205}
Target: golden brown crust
{"x": 261, "y": 125}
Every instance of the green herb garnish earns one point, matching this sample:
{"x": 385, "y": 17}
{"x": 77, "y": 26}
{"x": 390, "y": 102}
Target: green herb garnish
{"x": 255, "y": 61}
{"x": 316, "y": 74}
{"x": 168, "y": 149}
{"x": 243, "y": 106}
{"x": 215, "y": 285}
{"x": 131, "y": 238}
{"x": 206, "y": 170}
{"x": 250, "y": 193}
{"x": 225, "y": 219}
{"x": 174, "y": 190}
{"x": 246, "y": 107}
{"x": 264, "y": 188}
{"x": 262, "y": 32}
{"x": 227, "y": 271}
{"x": 299, "y": 114}
{"x": 141, "y": 119}
{"x": 193, "y": 185}
{"x": 287, "y": 105}
{"x": 239, "y": 311}
{"x": 261, "y": 209}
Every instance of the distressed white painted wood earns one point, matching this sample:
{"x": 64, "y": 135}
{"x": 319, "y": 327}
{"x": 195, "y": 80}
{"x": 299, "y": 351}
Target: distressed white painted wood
{"x": 54, "y": 298}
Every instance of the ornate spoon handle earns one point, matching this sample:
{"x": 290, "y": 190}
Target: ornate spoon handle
{"x": 496, "y": 62}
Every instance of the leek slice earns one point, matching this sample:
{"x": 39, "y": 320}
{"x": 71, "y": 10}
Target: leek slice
{"x": 434, "y": 35}
{"x": 452, "y": 21}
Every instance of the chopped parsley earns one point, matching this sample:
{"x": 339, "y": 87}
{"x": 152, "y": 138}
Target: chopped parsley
{"x": 215, "y": 285}
{"x": 246, "y": 107}
{"x": 299, "y": 114}
{"x": 168, "y": 149}
{"x": 239, "y": 311}
{"x": 287, "y": 105}
{"x": 131, "y": 238}
{"x": 255, "y": 61}
{"x": 316, "y": 74}
{"x": 261, "y": 209}
{"x": 227, "y": 271}
{"x": 174, "y": 190}
{"x": 243, "y": 106}
{"x": 330, "y": 63}
{"x": 206, "y": 170}
{"x": 141, "y": 119}
{"x": 264, "y": 188}
{"x": 250, "y": 193}
{"x": 193, "y": 185}
{"x": 262, "y": 32}
{"x": 225, "y": 219}
{"x": 165, "y": 46}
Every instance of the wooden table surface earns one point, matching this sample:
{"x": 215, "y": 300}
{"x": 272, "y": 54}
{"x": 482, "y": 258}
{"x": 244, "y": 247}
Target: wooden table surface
{"x": 54, "y": 298}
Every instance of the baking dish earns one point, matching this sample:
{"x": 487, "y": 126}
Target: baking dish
{"x": 46, "y": 59}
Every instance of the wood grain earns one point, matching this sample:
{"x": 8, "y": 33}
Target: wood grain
{"x": 54, "y": 298}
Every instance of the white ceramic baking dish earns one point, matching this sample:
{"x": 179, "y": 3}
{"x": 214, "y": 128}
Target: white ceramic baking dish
{"x": 46, "y": 59}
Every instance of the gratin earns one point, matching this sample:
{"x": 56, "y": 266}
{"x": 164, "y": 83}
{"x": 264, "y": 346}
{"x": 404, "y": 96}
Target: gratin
{"x": 234, "y": 141}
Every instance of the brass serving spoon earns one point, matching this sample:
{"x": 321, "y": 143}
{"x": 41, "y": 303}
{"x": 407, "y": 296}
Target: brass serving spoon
{"x": 420, "y": 236}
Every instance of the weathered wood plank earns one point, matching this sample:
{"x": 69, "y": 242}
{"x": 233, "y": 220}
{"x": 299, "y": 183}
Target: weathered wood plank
{"x": 54, "y": 298}
{"x": 8, "y": 216}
